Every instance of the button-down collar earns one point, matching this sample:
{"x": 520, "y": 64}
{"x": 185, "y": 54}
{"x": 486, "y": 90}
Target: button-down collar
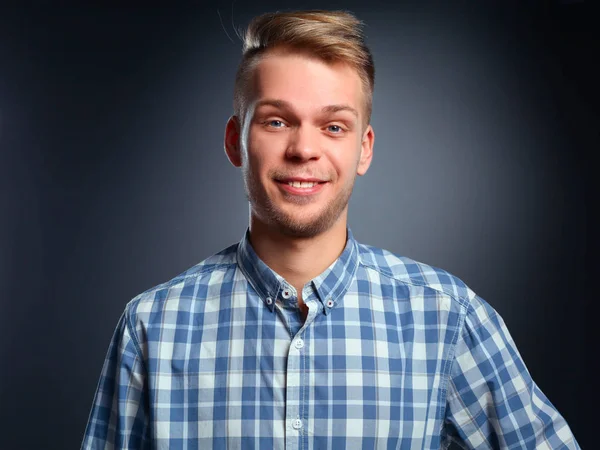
{"x": 330, "y": 285}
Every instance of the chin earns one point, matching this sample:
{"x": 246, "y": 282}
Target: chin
{"x": 301, "y": 230}
{"x": 299, "y": 225}
{"x": 308, "y": 220}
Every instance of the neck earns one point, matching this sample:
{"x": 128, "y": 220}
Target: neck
{"x": 298, "y": 259}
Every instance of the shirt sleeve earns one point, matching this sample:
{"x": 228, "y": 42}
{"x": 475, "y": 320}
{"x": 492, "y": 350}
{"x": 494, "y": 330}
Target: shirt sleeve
{"x": 492, "y": 401}
{"x": 119, "y": 414}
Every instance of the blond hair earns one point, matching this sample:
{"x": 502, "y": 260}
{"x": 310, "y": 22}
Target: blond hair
{"x": 331, "y": 36}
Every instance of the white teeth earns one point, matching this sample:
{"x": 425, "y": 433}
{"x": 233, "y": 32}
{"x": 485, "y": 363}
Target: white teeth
{"x": 302, "y": 184}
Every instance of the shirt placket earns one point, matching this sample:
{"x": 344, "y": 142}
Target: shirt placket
{"x": 297, "y": 391}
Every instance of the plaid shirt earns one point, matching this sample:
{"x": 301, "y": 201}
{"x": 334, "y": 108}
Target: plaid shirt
{"x": 394, "y": 354}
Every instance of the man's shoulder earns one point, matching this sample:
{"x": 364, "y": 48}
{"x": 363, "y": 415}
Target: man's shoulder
{"x": 200, "y": 273}
{"x": 412, "y": 272}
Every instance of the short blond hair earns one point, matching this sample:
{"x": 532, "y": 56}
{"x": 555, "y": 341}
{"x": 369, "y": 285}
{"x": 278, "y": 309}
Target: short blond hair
{"x": 331, "y": 36}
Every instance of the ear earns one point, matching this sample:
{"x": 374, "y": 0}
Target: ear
{"x": 366, "y": 151}
{"x": 232, "y": 141}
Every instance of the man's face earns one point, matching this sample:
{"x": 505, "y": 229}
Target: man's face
{"x": 303, "y": 143}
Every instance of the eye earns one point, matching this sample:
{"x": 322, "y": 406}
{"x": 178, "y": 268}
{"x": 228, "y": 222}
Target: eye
{"x": 336, "y": 129}
{"x": 275, "y": 123}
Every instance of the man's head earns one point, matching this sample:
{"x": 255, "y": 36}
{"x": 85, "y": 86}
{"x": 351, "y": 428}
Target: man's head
{"x": 301, "y": 114}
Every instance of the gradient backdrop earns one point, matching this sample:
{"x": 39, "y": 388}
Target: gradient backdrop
{"x": 113, "y": 177}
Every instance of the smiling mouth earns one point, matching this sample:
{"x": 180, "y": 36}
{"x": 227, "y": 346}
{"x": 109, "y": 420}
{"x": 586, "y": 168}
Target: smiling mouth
{"x": 301, "y": 187}
{"x": 303, "y": 184}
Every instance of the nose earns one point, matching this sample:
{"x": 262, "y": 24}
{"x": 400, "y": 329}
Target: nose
{"x": 304, "y": 144}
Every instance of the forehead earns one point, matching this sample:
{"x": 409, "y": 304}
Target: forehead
{"x": 306, "y": 82}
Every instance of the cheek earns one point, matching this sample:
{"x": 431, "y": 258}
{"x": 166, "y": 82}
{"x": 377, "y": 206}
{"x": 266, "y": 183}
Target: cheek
{"x": 265, "y": 151}
{"x": 259, "y": 159}
{"x": 345, "y": 161}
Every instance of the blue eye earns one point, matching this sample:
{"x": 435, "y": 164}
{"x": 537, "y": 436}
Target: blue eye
{"x": 335, "y": 129}
{"x": 275, "y": 123}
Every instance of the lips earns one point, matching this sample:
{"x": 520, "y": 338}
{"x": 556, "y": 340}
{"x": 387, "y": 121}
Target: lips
{"x": 303, "y": 186}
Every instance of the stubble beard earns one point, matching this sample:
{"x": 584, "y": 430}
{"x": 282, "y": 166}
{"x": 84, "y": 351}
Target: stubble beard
{"x": 291, "y": 225}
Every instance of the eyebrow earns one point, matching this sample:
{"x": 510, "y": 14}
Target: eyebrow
{"x": 287, "y": 105}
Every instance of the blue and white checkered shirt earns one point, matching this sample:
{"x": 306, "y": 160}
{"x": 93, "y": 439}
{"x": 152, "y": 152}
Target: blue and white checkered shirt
{"x": 394, "y": 354}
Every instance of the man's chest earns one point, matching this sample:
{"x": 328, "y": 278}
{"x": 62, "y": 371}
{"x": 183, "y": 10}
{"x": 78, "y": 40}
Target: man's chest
{"x": 369, "y": 374}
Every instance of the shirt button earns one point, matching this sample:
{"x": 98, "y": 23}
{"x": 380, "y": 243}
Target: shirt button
{"x": 297, "y": 424}
{"x": 286, "y": 293}
{"x": 269, "y": 300}
{"x": 329, "y": 303}
{"x": 299, "y": 343}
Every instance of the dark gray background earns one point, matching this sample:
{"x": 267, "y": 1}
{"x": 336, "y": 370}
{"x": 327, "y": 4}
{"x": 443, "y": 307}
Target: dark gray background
{"x": 113, "y": 177}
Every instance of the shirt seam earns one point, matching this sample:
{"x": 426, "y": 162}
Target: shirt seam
{"x": 134, "y": 338}
{"x": 447, "y": 381}
{"x": 462, "y": 301}
{"x": 178, "y": 279}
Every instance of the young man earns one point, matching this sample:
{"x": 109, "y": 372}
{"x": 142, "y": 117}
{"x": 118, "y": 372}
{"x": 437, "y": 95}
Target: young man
{"x": 299, "y": 337}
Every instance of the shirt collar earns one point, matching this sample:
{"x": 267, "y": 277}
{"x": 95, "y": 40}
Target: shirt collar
{"x": 330, "y": 285}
